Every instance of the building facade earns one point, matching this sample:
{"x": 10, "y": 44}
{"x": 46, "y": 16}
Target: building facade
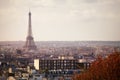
{"x": 58, "y": 64}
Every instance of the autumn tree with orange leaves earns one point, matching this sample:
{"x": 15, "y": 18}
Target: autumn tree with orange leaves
{"x": 102, "y": 69}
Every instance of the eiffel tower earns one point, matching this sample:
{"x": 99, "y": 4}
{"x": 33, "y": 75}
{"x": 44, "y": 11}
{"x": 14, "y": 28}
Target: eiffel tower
{"x": 30, "y": 44}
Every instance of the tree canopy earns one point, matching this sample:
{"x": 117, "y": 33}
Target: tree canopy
{"x": 102, "y": 69}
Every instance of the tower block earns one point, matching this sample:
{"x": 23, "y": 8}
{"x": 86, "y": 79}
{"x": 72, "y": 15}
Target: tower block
{"x": 29, "y": 44}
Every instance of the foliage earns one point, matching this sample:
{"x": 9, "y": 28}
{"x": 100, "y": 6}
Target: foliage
{"x": 102, "y": 69}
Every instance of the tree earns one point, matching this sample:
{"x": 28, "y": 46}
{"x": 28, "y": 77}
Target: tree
{"x": 102, "y": 69}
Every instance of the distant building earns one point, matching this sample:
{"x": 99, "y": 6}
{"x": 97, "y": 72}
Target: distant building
{"x": 83, "y": 64}
{"x": 65, "y": 57}
{"x": 11, "y": 78}
{"x": 30, "y": 44}
{"x": 36, "y": 64}
{"x": 10, "y": 70}
{"x": 57, "y": 64}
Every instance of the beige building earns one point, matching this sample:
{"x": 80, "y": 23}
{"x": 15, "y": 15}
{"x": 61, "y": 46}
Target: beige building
{"x": 36, "y": 64}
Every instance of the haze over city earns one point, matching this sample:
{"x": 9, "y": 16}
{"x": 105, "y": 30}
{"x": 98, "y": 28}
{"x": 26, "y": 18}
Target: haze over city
{"x": 60, "y": 20}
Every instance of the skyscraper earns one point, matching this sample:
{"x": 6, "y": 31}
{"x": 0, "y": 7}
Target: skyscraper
{"x": 30, "y": 44}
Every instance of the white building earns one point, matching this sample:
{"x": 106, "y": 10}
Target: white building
{"x": 36, "y": 64}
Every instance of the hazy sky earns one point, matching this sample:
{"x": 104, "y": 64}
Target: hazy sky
{"x": 58, "y": 20}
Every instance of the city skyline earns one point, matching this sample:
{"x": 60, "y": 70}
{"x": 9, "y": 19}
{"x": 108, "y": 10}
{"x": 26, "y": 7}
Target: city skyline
{"x": 60, "y": 20}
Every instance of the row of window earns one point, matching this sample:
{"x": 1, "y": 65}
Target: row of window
{"x": 58, "y": 64}
{"x": 57, "y": 61}
{"x": 58, "y": 67}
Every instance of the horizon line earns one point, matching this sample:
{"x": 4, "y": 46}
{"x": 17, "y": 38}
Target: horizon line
{"x": 60, "y": 40}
